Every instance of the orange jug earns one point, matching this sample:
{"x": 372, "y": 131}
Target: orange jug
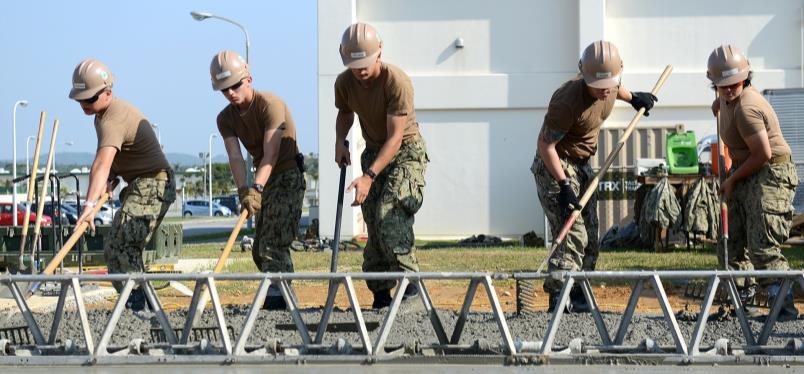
{"x": 726, "y": 158}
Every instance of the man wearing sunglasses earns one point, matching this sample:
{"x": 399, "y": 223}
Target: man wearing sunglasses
{"x": 127, "y": 148}
{"x": 262, "y": 123}
{"x": 390, "y": 191}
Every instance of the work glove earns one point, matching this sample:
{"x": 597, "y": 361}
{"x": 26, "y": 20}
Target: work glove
{"x": 641, "y": 100}
{"x": 567, "y": 199}
{"x": 250, "y": 200}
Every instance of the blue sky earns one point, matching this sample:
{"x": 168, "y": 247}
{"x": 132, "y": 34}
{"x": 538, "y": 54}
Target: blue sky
{"x": 160, "y": 57}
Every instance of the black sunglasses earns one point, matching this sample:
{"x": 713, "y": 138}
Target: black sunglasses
{"x": 235, "y": 87}
{"x": 91, "y": 100}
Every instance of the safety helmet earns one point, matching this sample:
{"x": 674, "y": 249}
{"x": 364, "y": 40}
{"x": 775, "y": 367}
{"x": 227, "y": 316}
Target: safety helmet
{"x": 90, "y": 77}
{"x": 227, "y": 69}
{"x": 601, "y": 65}
{"x": 360, "y": 46}
{"x": 727, "y": 65}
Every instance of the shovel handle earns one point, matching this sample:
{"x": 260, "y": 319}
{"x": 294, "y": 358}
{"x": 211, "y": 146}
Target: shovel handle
{"x": 79, "y": 230}
{"x": 230, "y": 243}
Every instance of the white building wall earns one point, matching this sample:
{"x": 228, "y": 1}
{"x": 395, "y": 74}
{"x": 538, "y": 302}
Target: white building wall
{"x": 480, "y": 107}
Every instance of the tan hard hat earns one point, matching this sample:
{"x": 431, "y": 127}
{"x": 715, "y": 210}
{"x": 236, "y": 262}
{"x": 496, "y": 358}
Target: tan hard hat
{"x": 601, "y": 65}
{"x": 227, "y": 69}
{"x": 89, "y": 78}
{"x": 360, "y": 46}
{"x": 727, "y": 65}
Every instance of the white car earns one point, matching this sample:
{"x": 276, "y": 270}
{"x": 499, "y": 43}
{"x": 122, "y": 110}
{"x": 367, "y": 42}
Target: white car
{"x": 104, "y": 216}
{"x": 201, "y": 208}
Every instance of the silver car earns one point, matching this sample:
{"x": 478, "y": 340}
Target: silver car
{"x": 201, "y": 208}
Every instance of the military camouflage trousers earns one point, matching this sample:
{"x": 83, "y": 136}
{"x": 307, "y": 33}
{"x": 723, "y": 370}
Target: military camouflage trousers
{"x": 760, "y": 218}
{"x": 393, "y": 200}
{"x": 278, "y": 221}
{"x": 144, "y": 204}
{"x": 580, "y": 247}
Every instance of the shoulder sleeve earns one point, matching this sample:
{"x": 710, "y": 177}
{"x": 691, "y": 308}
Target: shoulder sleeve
{"x": 110, "y": 135}
{"x": 750, "y": 120}
{"x": 341, "y": 100}
{"x": 558, "y": 117}
{"x": 224, "y": 125}
{"x": 274, "y": 115}
{"x": 399, "y": 95}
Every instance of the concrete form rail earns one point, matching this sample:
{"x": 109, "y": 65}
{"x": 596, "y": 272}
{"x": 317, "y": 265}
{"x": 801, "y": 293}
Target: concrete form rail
{"x": 178, "y": 349}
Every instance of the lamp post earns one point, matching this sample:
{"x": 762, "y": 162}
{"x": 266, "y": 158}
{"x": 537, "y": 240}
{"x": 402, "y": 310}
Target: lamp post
{"x": 28, "y": 155}
{"x": 200, "y": 16}
{"x": 22, "y": 103}
{"x": 209, "y": 177}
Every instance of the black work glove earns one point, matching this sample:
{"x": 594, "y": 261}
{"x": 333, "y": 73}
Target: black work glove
{"x": 641, "y": 100}
{"x": 566, "y": 198}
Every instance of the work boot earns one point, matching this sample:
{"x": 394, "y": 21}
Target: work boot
{"x": 136, "y": 300}
{"x": 382, "y": 299}
{"x": 274, "y": 299}
{"x": 788, "y": 311}
{"x": 578, "y": 302}
{"x": 748, "y": 299}
{"x": 411, "y": 291}
{"x": 139, "y": 305}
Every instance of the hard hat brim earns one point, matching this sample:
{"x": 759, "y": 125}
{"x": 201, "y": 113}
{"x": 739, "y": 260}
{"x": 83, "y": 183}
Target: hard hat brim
{"x": 602, "y": 83}
{"x": 360, "y": 63}
{"x": 728, "y": 81}
{"x": 83, "y": 94}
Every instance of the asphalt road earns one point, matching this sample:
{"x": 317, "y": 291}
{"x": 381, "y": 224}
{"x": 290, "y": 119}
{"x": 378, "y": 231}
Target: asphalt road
{"x": 203, "y": 226}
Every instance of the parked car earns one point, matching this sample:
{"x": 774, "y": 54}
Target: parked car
{"x": 232, "y": 202}
{"x": 6, "y": 219}
{"x": 57, "y": 213}
{"x": 104, "y": 216}
{"x": 201, "y": 208}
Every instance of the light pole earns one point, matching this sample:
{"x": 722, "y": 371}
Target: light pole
{"x": 200, "y": 16}
{"x": 22, "y": 103}
{"x": 209, "y": 178}
{"x": 28, "y": 155}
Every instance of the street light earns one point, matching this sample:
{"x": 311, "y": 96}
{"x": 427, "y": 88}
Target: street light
{"x": 200, "y": 16}
{"x": 28, "y": 155}
{"x": 22, "y": 103}
{"x": 211, "y": 136}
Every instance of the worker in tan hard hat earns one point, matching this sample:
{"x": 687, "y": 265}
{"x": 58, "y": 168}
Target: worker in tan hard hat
{"x": 127, "y": 148}
{"x": 390, "y": 191}
{"x": 762, "y": 181}
{"x": 261, "y": 121}
{"x": 567, "y": 140}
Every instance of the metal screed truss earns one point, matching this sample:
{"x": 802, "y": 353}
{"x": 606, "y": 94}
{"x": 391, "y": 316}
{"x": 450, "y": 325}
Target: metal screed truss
{"x": 176, "y": 346}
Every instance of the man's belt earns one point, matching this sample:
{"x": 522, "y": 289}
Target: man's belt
{"x": 778, "y": 159}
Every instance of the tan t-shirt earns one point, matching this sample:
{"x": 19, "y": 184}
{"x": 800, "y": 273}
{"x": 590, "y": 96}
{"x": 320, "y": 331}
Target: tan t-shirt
{"x": 125, "y": 128}
{"x": 575, "y": 112}
{"x": 745, "y": 116}
{"x": 267, "y": 112}
{"x": 390, "y": 94}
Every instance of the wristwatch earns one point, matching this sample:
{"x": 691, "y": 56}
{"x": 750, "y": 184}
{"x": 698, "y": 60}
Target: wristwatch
{"x": 370, "y": 174}
{"x": 258, "y": 187}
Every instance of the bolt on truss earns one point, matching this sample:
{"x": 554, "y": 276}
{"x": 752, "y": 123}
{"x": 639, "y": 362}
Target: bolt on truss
{"x": 177, "y": 346}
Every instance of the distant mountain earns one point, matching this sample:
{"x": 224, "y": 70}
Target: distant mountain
{"x": 85, "y": 159}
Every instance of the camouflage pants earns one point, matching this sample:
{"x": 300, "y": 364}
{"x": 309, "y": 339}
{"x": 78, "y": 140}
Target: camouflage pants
{"x": 278, "y": 221}
{"x": 389, "y": 209}
{"x": 760, "y": 217}
{"x": 580, "y": 247}
{"x": 144, "y": 204}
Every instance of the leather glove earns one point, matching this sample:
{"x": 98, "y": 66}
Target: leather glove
{"x": 567, "y": 199}
{"x": 641, "y": 100}
{"x": 250, "y": 200}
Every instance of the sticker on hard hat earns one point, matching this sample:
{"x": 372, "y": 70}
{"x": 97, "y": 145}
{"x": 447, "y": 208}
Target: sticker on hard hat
{"x": 104, "y": 75}
{"x": 223, "y": 74}
{"x": 79, "y": 86}
{"x": 730, "y": 72}
{"x": 358, "y": 54}
{"x": 603, "y": 75}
